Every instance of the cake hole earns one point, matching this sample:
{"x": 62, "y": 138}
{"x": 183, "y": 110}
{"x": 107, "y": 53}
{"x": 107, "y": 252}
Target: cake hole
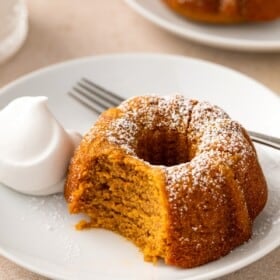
{"x": 104, "y": 186}
{"x": 163, "y": 147}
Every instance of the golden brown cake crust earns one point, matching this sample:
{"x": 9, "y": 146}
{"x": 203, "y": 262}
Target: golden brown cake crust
{"x": 213, "y": 198}
{"x": 199, "y": 166}
{"x": 226, "y": 11}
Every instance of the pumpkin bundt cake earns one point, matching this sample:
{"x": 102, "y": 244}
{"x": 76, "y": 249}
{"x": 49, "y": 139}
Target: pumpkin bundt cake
{"x": 226, "y": 11}
{"x": 177, "y": 177}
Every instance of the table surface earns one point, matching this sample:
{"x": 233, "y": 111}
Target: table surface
{"x": 64, "y": 29}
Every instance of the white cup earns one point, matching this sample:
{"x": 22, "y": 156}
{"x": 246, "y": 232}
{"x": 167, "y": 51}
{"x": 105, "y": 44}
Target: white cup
{"x": 13, "y": 27}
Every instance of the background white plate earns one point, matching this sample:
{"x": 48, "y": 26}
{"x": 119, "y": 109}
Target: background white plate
{"x": 245, "y": 37}
{"x": 38, "y": 233}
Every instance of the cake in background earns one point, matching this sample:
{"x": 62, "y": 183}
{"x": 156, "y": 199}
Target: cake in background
{"x": 226, "y": 11}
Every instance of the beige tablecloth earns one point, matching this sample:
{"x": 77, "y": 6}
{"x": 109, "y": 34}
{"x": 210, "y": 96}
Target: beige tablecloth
{"x": 66, "y": 29}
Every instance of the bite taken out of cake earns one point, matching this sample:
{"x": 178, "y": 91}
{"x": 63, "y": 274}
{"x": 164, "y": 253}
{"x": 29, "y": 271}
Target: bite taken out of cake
{"x": 177, "y": 177}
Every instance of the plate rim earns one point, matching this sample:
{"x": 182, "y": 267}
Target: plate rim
{"x": 130, "y": 55}
{"x": 222, "y": 272}
{"x": 206, "y": 40}
{"x": 4, "y": 90}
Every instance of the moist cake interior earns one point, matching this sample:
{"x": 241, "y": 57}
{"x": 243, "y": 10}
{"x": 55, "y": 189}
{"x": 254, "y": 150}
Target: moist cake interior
{"x": 123, "y": 197}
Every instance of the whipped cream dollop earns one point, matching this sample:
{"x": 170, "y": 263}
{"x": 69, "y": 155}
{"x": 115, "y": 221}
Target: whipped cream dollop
{"x": 35, "y": 149}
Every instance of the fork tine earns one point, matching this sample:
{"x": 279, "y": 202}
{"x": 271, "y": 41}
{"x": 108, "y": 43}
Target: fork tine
{"x": 102, "y": 96}
{"x": 85, "y": 103}
{"x": 103, "y": 90}
{"x": 94, "y": 96}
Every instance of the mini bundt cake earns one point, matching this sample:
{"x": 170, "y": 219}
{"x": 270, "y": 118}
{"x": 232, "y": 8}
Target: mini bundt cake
{"x": 177, "y": 177}
{"x": 226, "y": 11}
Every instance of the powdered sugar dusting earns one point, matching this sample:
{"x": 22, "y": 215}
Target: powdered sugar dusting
{"x": 51, "y": 209}
{"x": 195, "y": 192}
{"x": 148, "y": 113}
{"x": 216, "y": 144}
{"x": 194, "y": 175}
{"x": 211, "y": 129}
{"x": 123, "y": 133}
{"x": 54, "y": 217}
{"x": 219, "y": 156}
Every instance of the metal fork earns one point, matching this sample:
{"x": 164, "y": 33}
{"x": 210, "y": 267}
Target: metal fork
{"x": 98, "y": 99}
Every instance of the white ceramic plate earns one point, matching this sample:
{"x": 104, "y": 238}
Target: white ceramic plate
{"x": 245, "y": 37}
{"x": 38, "y": 233}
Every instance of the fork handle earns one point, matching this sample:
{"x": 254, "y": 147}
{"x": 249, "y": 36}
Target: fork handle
{"x": 264, "y": 139}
